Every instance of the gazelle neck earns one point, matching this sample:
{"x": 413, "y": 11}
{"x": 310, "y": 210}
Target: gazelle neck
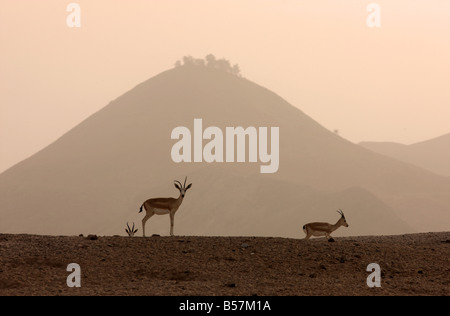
{"x": 180, "y": 199}
{"x": 337, "y": 225}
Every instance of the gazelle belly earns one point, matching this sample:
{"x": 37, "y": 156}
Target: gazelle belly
{"x": 161, "y": 212}
{"x": 319, "y": 234}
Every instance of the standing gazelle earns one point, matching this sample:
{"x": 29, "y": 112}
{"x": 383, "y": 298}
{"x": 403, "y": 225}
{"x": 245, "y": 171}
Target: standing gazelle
{"x": 324, "y": 229}
{"x": 163, "y": 206}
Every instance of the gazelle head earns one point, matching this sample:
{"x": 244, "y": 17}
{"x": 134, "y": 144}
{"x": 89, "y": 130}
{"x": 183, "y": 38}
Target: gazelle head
{"x": 342, "y": 221}
{"x": 182, "y": 188}
{"x": 130, "y": 231}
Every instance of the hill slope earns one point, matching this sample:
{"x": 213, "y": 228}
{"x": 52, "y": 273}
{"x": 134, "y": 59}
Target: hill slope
{"x": 95, "y": 177}
{"x": 433, "y": 155}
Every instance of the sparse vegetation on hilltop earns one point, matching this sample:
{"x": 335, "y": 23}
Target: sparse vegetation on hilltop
{"x": 210, "y": 61}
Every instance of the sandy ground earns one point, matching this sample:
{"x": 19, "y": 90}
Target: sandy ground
{"x": 416, "y": 264}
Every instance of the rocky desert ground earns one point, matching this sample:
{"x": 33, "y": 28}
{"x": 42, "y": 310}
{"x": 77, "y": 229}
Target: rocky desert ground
{"x": 417, "y": 264}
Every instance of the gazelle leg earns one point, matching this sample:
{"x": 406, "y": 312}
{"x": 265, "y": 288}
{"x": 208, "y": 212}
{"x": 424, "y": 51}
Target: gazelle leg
{"x": 145, "y": 219}
{"x": 308, "y": 235}
{"x": 172, "y": 219}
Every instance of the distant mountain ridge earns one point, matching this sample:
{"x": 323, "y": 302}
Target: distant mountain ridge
{"x": 433, "y": 154}
{"x": 94, "y": 178}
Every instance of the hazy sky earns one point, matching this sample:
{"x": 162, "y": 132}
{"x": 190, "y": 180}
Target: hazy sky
{"x": 387, "y": 84}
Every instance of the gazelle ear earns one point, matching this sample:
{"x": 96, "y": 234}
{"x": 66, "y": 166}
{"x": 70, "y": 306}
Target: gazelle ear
{"x": 177, "y": 186}
{"x": 189, "y": 186}
{"x": 135, "y": 231}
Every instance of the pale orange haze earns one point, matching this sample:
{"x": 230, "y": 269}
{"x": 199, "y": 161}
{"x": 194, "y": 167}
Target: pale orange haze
{"x": 381, "y": 84}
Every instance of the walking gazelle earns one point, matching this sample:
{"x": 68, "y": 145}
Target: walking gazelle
{"x": 324, "y": 229}
{"x": 163, "y": 206}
